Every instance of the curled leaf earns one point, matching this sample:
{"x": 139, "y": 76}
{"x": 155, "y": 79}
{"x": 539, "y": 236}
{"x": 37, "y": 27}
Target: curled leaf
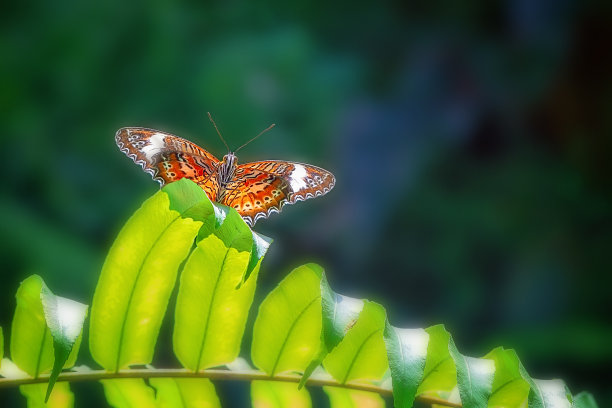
{"x": 407, "y": 353}
{"x": 65, "y": 320}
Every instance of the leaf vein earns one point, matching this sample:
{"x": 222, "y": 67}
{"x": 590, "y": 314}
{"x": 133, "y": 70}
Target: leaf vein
{"x": 127, "y": 309}
{"x": 282, "y": 349}
{"x": 348, "y": 372}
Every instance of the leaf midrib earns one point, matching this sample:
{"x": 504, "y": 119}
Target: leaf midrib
{"x": 348, "y": 372}
{"x": 469, "y": 378}
{"x": 40, "y": 353}
{"x": 129, "y": 304}
{"x": 212, "y": 301}
{"x": 401, "y": 347}
{"x": 506, "y": 384}
{"x": 285, "y": 340}
{"x": 434, "y": 368}
{"x": 180, "y": 393}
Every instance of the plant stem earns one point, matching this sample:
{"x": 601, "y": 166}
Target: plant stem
{"x": 218, "y": 375}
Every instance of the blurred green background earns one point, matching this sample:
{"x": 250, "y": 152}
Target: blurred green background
{"x": 470, "y": 142}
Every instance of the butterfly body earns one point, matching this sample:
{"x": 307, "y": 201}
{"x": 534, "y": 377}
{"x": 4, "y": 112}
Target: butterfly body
{"x": 255, "y": 190}
{"x": 226, "y": 170}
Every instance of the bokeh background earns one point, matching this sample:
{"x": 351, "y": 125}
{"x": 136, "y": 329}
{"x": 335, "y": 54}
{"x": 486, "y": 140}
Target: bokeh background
{"x": 470, "y": 142}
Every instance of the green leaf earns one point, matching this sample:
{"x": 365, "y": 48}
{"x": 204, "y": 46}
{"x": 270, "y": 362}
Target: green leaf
{"x": 212, "y": 306}
{"x": 585, "y": 400}
{"x": 361, "y": 355}
{"x": 271, "y": 394}
{"x": 129, "y": 393}
{"x": 474, "y": 378}
{"x": 140, "y": 271}
{"x": 286, "y": 335}
{"x": 31, "y": 340}
{"x": 345, "y": 398}
{"x": 190, "y": 201}
{"x": 261, "y": 243}
{"x": 440, "y": 374}
{"x": 407, "y": 353}
{"x": 509, "y": 388}
{"x": 339, "y": 313}
{"x": 233, "y": 226}
{"x": 65, "y": 320}
{"x": 44, "y": 323}
{"x": 1, "y": 346}
{"x": 549, "y": 394}
{"x": 35, "y": 394}
{"x": 185, "y": 393}
{"x": 446, "y": 368}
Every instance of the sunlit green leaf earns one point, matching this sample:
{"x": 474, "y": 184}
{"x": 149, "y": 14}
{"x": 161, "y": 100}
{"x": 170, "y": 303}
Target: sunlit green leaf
{"x": 345, "y": 398}
{"x": 509, "y": 389}
{"x": 407, "y": 353}
{"x": 301, "y": 324}
{"x": 234, "y": 230}
{"x": 270, "y": 394}
{"x": 287, "y": 330}
{"x": 440, "y": 374}
{"x": 361, "y": 355}
{"x": 212, "y": 306}
{"x": 185, "y": 393}
{"x": 474, "y": 378}
{"x": 140, "y": 271}
{"x": 339, "y": 313}
{"x": 1, "y": 346}
{"x": 31, "y": 340}
{"x": 65, "y": 320}
{"x": 35, "y": 394}
{"x": 129, "y": 393}
{"x": 585, "y": 400}
{"x": 446, "y": 368}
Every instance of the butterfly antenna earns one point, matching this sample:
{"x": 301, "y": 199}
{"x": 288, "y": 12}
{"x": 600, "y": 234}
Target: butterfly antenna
{"x": 219, "y": 133}
{"x": 262, "y": 132}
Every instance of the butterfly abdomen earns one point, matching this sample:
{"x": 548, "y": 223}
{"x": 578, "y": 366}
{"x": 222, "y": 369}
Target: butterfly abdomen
{"x": 226, "y": 169}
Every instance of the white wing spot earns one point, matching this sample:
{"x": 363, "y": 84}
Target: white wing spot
{"x": 156, "y": 145}
{"x": 297, "y": 178}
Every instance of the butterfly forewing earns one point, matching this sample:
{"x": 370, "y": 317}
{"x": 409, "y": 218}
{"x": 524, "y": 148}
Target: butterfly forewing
{"x": 168, "y": 158}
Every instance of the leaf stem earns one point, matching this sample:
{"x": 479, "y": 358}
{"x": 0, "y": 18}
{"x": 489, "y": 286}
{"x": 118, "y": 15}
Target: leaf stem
{"x": 218, "y": 375}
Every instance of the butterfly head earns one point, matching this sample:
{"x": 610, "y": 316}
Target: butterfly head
{"x": 229, "y": 159}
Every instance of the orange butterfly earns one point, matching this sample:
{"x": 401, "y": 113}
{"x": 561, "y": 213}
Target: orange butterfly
{"x": 255, "y": 190}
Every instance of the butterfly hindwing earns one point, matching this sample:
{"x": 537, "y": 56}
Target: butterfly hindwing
{"x": 262, "y": 188}
{"x": 256, "y": 194}
{"x": 168, "y": 158}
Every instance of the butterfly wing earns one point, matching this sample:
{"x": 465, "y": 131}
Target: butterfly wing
{"x": 261, "y": 188}
{"x": 168, "y": 158}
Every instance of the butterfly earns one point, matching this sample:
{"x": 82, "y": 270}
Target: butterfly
{"x": 256, "y": 190}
